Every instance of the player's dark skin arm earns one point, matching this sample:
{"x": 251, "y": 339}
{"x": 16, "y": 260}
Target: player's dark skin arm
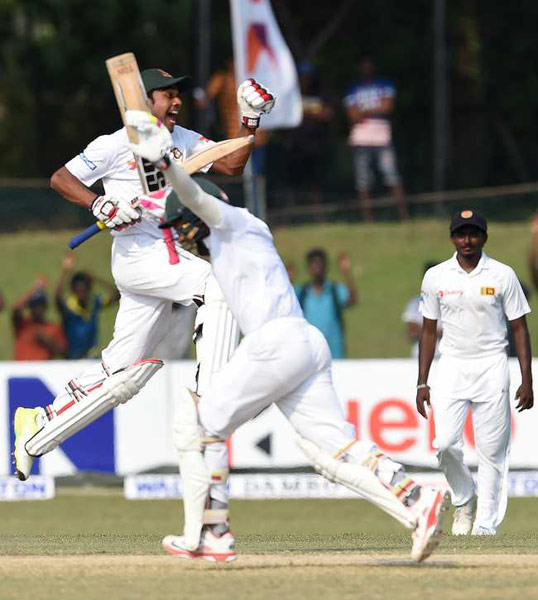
{"x": 66, "y": 184}
{"x": 426, "y": 352}
{"x": 524, "y": 394}
{"x": 234, "y": 163}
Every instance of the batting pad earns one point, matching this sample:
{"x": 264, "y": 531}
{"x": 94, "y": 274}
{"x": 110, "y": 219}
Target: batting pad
{"x": 114, "y": 390}
{"x": 358, "y": 478}
{"x": 195, "y": 475}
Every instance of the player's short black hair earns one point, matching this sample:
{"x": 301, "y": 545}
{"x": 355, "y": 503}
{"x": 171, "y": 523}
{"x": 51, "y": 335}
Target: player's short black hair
{"x": 319, "y": 253}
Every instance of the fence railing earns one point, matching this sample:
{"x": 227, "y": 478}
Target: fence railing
{"x": 31, "y": 204}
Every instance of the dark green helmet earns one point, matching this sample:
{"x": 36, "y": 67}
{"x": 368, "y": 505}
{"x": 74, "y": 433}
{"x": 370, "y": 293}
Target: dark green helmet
{"x": 191, "y": 229}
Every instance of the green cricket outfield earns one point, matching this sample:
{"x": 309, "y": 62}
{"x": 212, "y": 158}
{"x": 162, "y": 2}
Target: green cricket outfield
{"x": 88, "y": 544}
{"x": 387, "y": 261}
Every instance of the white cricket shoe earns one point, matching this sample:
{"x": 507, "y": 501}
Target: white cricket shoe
{"x": 479, "y": 530}
{"x": 211, "y": 548}
{"x": 430, "y": 510}
{"x": 464, "y": 517}
{"x": 26, "y": 424}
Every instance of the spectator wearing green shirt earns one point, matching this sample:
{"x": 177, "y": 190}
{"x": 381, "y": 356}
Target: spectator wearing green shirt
{"x": 323, "y": 301}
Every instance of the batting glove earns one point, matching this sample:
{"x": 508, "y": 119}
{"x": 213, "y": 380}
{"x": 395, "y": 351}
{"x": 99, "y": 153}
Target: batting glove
{"x": 155, "y": 139}
{"x": 253, "y": 100}
{"x": 114, "y": 213}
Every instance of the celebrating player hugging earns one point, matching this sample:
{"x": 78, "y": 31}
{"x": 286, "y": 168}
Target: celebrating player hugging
{"x": 282, "y": 360}
{"x": 150, "y": 270}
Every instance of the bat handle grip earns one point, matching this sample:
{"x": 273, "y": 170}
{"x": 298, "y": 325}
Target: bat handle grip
{"x": 89, "y": 232}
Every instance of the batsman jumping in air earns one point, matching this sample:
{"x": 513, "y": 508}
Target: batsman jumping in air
{"x": 283, "y": 360}
{"x": 150, "y": 270}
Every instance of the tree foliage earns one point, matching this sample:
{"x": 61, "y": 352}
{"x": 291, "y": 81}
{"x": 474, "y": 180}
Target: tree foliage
{"x": 55, "y": 95}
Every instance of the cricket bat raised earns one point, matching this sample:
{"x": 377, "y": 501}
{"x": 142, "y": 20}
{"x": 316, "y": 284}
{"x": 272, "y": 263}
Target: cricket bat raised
{"x": 130, "y": 95}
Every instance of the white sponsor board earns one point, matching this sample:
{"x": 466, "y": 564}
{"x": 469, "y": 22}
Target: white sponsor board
{"x": 37, "y": 488}
{"x": 264, "y": 486}
{"x": 377, "y": 396}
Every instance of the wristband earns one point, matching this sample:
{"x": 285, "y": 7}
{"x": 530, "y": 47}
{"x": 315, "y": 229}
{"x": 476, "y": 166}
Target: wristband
{"x": 251, "y": 122}
{"x": 423, "y": 386}
{"x": 90, "y": 208}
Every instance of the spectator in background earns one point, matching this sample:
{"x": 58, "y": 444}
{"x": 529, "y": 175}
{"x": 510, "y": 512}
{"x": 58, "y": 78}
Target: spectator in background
{"x": 35, "y": 337}
{"x": 306, "y": 155}
{"x": 369, "y": 104}
{"x": 323, "y": 302}
{"x": 533, "y": 250}
{"x": 412, "y": 317}
{"x": 80, "y": 308}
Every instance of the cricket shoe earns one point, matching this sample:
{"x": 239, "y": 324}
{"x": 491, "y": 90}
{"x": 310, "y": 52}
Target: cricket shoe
{"x": 26, "y": 423}
{"x": 479, "y": 530}
{"x": 430, "y": 510}
{"x": 462, "y": 522}
{"x": 212, "y": 548}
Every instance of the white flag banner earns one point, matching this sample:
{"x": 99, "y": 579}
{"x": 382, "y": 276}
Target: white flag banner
{"x": 261, "y": 52}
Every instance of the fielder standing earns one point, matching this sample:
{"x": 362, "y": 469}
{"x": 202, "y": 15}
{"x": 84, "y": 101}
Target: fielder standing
{"x": 471, "y": 294}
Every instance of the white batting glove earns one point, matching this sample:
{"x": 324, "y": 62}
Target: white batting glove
{"x": 154, "y": 203}
{"x": 155, "y": 139}
{"x": 114, "y": 213}
{"x": 253, "y": 100}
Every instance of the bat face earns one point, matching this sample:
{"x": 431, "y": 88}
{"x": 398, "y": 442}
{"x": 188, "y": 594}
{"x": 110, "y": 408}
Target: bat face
{"x": 130, "y": 95}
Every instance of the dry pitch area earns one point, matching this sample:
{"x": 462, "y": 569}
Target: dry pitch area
{"x": 101, "y": 546}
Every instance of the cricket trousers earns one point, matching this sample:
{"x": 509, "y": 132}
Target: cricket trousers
{"x": 148, "y": 285}
{"x": 286, "y": 362}
{"x": 482, "y": 386}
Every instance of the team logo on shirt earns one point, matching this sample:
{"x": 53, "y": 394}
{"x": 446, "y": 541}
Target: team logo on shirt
{"x": 487, "y": 291}
{"x": 177, "y": 155}
{"x": 91, "y": 165}
{"x": 131, "y": 164}
{"x": 443, "y": 293}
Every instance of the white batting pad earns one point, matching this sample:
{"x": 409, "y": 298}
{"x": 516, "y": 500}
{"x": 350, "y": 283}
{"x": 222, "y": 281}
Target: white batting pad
{"x": 358, "y": 478}
{"x": 219, "y": 335}
{"x": 195, "y": 475}
{"x": 114, "y": 390}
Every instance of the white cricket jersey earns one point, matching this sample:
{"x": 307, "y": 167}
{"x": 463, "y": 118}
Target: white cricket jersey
{"x": 107, "y": 158}
{"x": 472, "y": 306}
{"x": 249, "y": 270}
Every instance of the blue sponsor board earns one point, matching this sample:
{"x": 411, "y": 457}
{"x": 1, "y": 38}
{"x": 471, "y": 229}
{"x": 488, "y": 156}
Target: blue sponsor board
{"x": 92, "y": 449}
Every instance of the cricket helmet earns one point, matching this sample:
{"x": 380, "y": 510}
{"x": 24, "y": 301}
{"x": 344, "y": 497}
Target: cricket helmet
{"x": 190, "y": 228}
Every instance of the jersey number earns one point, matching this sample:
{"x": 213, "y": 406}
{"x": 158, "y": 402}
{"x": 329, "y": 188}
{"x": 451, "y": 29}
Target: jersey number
{"x": 154, "y": 178}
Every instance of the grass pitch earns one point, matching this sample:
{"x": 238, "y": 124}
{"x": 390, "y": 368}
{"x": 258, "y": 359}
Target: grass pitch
{"x": 99, "y": 546}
